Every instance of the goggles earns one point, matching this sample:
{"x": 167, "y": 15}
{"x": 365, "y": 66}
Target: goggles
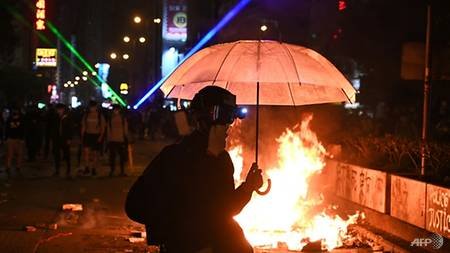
{"x": 225, "y": 114}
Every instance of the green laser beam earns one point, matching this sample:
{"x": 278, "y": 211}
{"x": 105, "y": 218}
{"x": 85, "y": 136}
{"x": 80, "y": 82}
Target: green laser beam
{"x": 44, "y": 39}
{"x": 69, "y": 46}
{"x": 55, "y": 31}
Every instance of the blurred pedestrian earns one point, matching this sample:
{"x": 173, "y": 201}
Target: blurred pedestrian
{"x": 92, "y": 134}
{"x": 61, "y": 139}
{"x": 117, "y": 139}
{"x": 49, "y": 117}
{"x": 15, "y": 134}
{"x": 3, "y": 119}
{"x": 32, "y": 132}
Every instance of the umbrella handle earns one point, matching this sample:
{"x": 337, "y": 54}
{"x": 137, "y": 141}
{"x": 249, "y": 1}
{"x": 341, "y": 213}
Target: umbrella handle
{"x": 267, "y": 190}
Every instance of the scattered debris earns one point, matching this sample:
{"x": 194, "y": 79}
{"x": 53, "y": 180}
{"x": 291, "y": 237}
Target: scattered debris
{"x": 52, "y": 226}
{"x": 72, "y": 207}
{"x": 136, "y": 239}
{"x": 30, "y": 228}
{"x": 315, "y": 246}
{"x": 139, "y": 234}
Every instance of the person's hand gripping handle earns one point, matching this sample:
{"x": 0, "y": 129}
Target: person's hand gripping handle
{"x": 255, "y": 180}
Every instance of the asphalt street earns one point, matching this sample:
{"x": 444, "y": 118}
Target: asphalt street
{"x": 36, "y": 200}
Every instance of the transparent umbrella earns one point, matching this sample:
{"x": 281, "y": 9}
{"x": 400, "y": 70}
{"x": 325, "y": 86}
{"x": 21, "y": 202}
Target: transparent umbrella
{"x": 261, "y": 72}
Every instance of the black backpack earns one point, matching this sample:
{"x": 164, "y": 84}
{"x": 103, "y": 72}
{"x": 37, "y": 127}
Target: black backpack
{"x": 146, "y": 202}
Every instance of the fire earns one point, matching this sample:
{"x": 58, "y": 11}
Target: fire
{"x": 288, "y": 213}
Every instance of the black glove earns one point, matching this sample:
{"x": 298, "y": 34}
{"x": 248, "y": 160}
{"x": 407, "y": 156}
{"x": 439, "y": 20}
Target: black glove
{"x": 254, "y": 178}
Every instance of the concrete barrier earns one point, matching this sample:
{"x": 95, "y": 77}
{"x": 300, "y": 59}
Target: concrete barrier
{"x": 364, "y": 186}
{"x": 438, "y": 210}
{"x": 408, "y": 200}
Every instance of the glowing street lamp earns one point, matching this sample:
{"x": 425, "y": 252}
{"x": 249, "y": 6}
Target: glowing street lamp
{"x": 156, "y": 20}
{"x": 66, "y": 85}
{"x": 72, "y": 85}
{"x": 142, "y": 39}
{"x": 84, "y": 78}
{"x": 85, "y": 73}
{"x": 137, "y": 19}
{"x": 69, "y": 82}
{"x": 126, "y": 39}
{"x": 126, "y": 56}
{"x": 76, "y": 82}
{"x": 263, "y": 28}
{"x": 113, "y": 56}
{"x": 94, "y": 73}
{"x": 77, "y": 78}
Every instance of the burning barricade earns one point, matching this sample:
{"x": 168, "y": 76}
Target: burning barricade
{"x": 291, "y": 216}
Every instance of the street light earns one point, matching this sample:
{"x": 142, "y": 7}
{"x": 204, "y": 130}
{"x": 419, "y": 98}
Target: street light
{"x": 85, "y": 73}
{"x": 137, "y": 19}
{"x": 126, "y": 39}
{"x": 141, "y": 39}
{"x": 66, "y": 85}
{"x": 77, "y": 78}
{"x": 76, "y": 82}
{"x": 94, "y": 73}
{"x": 156, "y": 20}
{"x": 125, "y": 56}
{"x": 263, "y": 28}
{"x": 84, "y": 78}
{"x": 113, "y": 56}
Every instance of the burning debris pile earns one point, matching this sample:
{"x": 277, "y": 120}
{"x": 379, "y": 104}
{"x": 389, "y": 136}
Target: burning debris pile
{"x": 290, "y": 216}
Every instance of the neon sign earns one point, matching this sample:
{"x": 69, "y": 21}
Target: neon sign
{"x": 40, "y": 15}
{"x": 46, "y": 57}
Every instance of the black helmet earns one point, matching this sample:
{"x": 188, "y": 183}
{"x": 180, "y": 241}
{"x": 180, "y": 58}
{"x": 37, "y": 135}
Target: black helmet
{"x": 215, "y": 105}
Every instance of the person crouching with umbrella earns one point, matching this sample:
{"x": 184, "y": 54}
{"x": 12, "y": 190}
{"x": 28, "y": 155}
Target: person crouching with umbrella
{"x": 186, "y": 197}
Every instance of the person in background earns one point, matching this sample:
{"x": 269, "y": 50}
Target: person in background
{"x": 61, "y": 138}
{"x": 4, "y": 117}
{"x": 49, "y": 117}
{"x": 15, "y": 134}
{"x": 117, "y": 139}
{"x": 32, "y": 132}
{"x": 92, "y": 134}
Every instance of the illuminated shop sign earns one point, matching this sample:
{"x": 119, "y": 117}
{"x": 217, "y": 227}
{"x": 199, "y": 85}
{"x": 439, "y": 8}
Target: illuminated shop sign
{"x": 40, "y": 15}
{"x": 46, "y": 57}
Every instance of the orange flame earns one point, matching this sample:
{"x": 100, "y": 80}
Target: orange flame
{"x": 285, "y": 215}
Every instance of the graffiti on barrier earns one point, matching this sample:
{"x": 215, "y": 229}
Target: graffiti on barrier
{"x": 363, "y": 186}
{"x": 438, "y": 210}
{"x": 408, "y": 200}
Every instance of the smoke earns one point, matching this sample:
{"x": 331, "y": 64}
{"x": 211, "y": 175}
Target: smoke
{"x": 92, "y": 216}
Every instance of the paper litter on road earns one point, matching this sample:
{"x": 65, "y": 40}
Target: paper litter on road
{"x": 30, "y": 228}
{"x": 136, "y": 239}
{"x": 72, "y": 207}
{"x": 139, "y": 234}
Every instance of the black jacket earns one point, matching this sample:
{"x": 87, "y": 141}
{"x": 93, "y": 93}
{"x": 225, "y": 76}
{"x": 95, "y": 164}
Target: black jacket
{"x": 61, "y": 128}
{"x": 187, "y": 199}
{"x": 15, "y": 128}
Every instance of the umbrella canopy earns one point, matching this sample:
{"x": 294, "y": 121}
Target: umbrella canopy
{"x": 287, "y": 74}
